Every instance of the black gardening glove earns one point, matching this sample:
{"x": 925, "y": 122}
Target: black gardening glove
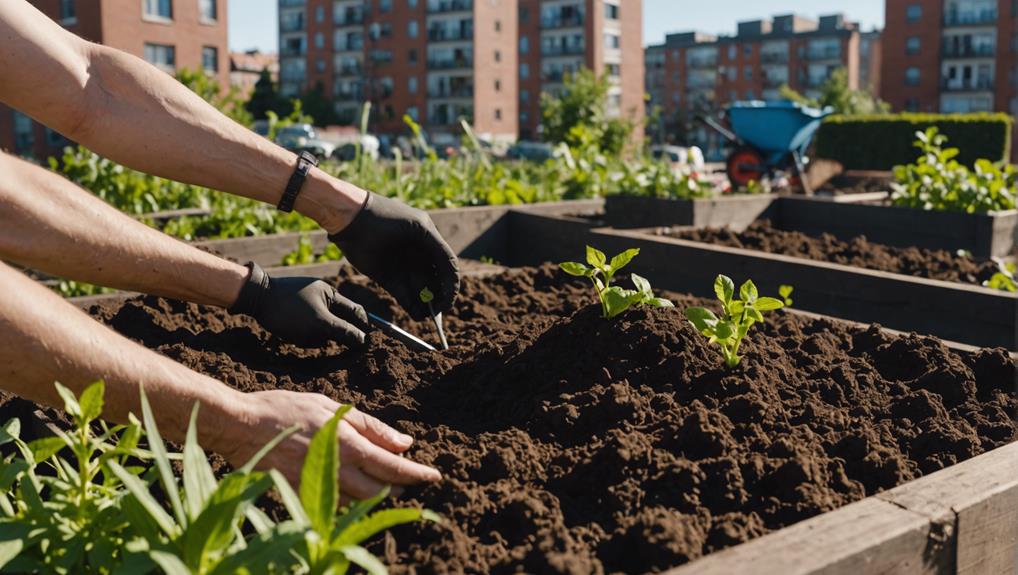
{"x": 399, "y": 248}
{"x": 304, "y": 311}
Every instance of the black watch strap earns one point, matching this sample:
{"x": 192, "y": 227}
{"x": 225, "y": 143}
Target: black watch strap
{"x": 305, "y": 162}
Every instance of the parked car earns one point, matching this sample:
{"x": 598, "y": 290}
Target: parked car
{"x": 531, "y": 151}
{"x": 304, "y": 138}
{"x": 680, "y": 157}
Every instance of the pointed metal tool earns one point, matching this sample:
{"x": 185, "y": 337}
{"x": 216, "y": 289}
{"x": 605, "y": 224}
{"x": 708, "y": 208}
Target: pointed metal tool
{"x": 401, "y": 334}
{"x": 437, "y": 317}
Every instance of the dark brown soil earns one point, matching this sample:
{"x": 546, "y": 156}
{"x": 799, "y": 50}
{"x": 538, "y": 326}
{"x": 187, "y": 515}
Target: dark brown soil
{"x": 574, "y": 444}
{"x": 858, "y": 252}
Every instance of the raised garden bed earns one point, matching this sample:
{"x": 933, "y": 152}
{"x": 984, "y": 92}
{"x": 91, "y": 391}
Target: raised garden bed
{"x": 576, "y": 444}
{"x": 622, "y": 211}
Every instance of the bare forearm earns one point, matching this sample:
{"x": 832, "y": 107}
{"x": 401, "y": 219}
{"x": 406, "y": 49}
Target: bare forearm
{"x": 145, "y": 119}
{"x": 45, "y": 339}
{"x": 49, "y": 224}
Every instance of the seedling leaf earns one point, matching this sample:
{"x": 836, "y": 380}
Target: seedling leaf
{"x": 768, "y": 304}
{"x": 622, "y": 260}
{"x": 724, "y": 287}
{"x": 737, "y": 317}
{"x": 426, "y": 296}
{"x": 785, "y": 291}
{"x": 575, "y": 269}
{"x": 748, "y": 292}
{"x": 319, "y": 478}
{"x": 596, "y": 258}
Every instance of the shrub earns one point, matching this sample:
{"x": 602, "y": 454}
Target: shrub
{"x": 882, "y": 141}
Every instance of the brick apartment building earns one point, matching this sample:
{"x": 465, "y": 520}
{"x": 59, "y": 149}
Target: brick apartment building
{"x": 172, "y": 34}
{"x": 695, "y": 73}
{"x": 558, "y": 37}
{"x": 439, "y": 60}
{"x": 951, "y": 55}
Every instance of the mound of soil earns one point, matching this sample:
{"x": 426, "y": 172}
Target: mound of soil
{"x": 858, "y": 252}
{"x": 574, "y": 444}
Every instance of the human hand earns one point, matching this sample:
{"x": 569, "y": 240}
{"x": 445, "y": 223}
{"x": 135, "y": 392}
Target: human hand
{"x": 304, "y": 311}
{"x": 399, "y": 248}
{"x": 369, "y": 449}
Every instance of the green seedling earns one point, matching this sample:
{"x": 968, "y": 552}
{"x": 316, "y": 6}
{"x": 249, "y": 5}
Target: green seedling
{"x": 785, "y": 291}
{"x": 1004, "y": 279}
{"x": 614, "y": 299}
{"x": 426, "y": 296}
{"x": 738, "y": 316}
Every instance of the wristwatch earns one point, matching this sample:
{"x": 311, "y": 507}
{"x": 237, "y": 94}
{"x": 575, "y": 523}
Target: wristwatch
{"x": 305, "y": 161}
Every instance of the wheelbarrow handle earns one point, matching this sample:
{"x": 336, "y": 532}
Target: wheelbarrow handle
{"x": 717, "y": 127}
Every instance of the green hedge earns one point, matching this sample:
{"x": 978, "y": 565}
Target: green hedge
{"x": 880, "y": 142}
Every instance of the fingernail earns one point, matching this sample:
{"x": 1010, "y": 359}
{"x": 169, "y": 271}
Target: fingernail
{"x": 404, "y": 439}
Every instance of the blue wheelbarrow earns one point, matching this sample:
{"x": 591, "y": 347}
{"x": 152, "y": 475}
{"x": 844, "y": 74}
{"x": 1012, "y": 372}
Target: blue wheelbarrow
{"x": 768, "y": 136}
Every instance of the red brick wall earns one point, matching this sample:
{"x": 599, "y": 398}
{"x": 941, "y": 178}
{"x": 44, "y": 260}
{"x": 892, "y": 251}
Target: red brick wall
{"x": 496, "y": 70}
{"x": 633, "y": 102}
{"x": 531, "y": 28}
{"x": 400, "y": 69}
{"x": 895, "y": 61}
{"x": 325, "y": 27}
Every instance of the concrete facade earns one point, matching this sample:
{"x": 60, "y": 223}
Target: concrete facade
{"x": 195, "y": 40}
{"x": 693, "y": 73}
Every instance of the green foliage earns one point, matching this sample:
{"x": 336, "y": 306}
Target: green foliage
{"x": 111, "y": 506}
{"x": 264, "y": 99}
{"x": 70, "y": 288}
{"x": 304, "y": 253}
{"x": 785, "y": 292}
{"x": 614, "y": 299}
{"x": 737, "y": 317}
{"x": 936, "y": 181}
{"x": 583, "y": 104}
{"x": 836, "y": 94}
{"x": 317, "y": 105}
{"x": 1004, "y": 279}
{"x": 882, "y": 141}
{"x": 427, "y": 296}
{"x": 229, "y": 103}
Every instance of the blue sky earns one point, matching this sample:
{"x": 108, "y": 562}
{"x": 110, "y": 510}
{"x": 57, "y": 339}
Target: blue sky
{"x": 253, "y": 22}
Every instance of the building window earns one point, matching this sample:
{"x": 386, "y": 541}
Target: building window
{"x": 612, "y": 41}
{"x": 413, "y": 113}
{"x": 524, "y": 45}
{"x": 68, "y": 12}
{"x": 210, "y": 59}
{"x": 913, "y": 12}
{"x": 747, "y": 50}
{"x": 498, "y": 114}
{"x": 384, "y": 5}
{"x": 319, "y": 13}
{"x": 498, "y": 85}
{"x": 411, "y": 4}
{"x": 524, "y": 71}
{"x": 912, "y": 45}
{"x": 159, "y": 9}
{"x": 524, "y": 14}
{"x": 319, "y": 40}
{"x": 611, "y": 11}
{"x": 498, "y": 25}
{"x": 24, "y": 137}
{"x": 162, "y": 56}
{"x": 912, "y": 76}
{"x": 498, "y": 56}
{"x": 411, "y": 56}
{"x": 524, "y": 117}
{"x": 747, "y": 72}
{"x": 524, "y": 95}
{"x": 912, "y": 105}
{"x": 411, "y": 84}
{"x": 411, "y": 28}
{"x": 320, "y": 65}
{"x": 208, "y": 10}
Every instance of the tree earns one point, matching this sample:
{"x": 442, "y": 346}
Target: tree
{"x": 836, "y": 94}
{"x": 229, "y": 103}
{"x": 317, "y": 105}
{"x": 582, "y": 107}
{"x": 265, "y": 98}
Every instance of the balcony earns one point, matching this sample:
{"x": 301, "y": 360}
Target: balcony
{"x": 570, "y": 21}
{"x": 457, "y": 92}
{"x": 555, "y": 77}
{"x": 775, "y": 82}
{"x": 982, "y": 51}
{"x": 350, "y": 94}
{"x": 350, "y": 70}
{"x": 447, "y": 6}
{"x": 987, "y": 16}
{"x": 560, "y": 50}
{"x": 451, "y": 64}
{"x": 971, "y": 85}
{"x": 447, "y": 119}
{"x": 292, "y": 26}
{"x": 823, "y": 54}
{"x": 349, "y": 46}
{"x": 350, "y": 18}
{"x": 293, "y": 52}
{"x": 702, "y": 63}
{"x": 774, "y": 58}
{"x": 446, "y": 35}
{"x": 291, "y": 3}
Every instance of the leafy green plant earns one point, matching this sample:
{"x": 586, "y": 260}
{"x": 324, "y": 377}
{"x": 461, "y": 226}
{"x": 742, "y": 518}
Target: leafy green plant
{"x": 304, "y": 254}
{"x": 97, "y": 511}
{"x": 737, "y": 317}
{"x": 937, "y": 181}
{"x": 785, "y": 291}
{"x": 1004, "y": 279}
{"x": 614, "y": 299}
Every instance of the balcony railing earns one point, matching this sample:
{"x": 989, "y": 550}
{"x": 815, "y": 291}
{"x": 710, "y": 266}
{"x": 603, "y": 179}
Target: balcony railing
{"x": 451, "y": 64}
{"x": 292, "y": 26}
{"x": 450, "y": 6}
{"x": 700, "y": 63}
{"x": 446, "y": 35}
{"x": 350, "y": 19}
{"x": 560, "y": 50}
{"x": 555, "y": 77}
{"x": 460, "y": 92}
{"x": 774, "y": 82}
{"x": 971, "y": 17}
{"x": 773, "y": 58}
{"x": 352, "y": 95}
{"x": 983, "y": 51}
{"x": 349, "y": 46}
{"x": 440, "y": 119}
{"x": 572, "y": 21}
{"x": 291, "y": 3}
{"x": 823, "y": 54}
{"x": 292, "y": 75}
{"x": 291, "y": 52}
{"x": 350, "y": 70}
{"x": 976, "y": 85}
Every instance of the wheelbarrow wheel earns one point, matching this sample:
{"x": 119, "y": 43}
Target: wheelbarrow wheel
{"x": 745, "y": 165}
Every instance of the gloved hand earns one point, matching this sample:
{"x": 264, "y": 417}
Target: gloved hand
{"x": 399, "y": 248}
{"x": 304, "y": 311}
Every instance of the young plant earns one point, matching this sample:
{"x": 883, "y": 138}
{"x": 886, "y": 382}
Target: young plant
{"x": 1004, "y": 279}
{"x": 737, "y": 317}
{"x": 614, "y": 299}
{"x": 785, "y": 291}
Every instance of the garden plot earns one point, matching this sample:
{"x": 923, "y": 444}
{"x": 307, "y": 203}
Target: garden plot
{"x": 572, "y": 443}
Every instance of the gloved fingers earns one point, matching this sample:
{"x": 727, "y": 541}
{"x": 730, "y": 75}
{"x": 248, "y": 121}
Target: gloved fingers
{"x": 444, "y": 272}
{"x": 344, "y": 332}
{"x": 349, "y": 310}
